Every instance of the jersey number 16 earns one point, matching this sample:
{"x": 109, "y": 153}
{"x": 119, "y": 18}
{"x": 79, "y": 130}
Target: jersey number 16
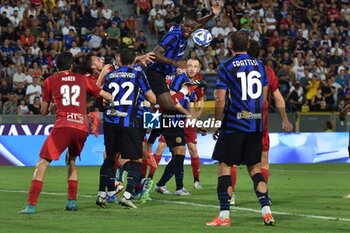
{"x": 247, "y": 83}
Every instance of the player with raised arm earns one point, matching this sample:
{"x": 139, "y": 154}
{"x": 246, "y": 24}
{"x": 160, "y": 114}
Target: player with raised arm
{"x": 122, "y": 130}
{"x": 67, "y": 90}
{"x": 168, "y": 54}
{"x": 240, "y": 91}
{"x": 253, "y": 51}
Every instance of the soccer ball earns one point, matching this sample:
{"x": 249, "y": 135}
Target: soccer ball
{"x": 202, "y": 37}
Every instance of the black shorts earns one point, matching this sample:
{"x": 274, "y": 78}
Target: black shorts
{"x": 238, "y": 148}
{"x": 174, "y": 136}
{"x": 123, "y": 140}
{"x": 157, "y": 81}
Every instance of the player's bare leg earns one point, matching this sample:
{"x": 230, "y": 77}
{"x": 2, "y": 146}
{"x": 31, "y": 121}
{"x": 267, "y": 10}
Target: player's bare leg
{"x": 265, "y": 165}
{"x": 72, "y": 179}
{"x": 157, "y": 156}
{"x": 36, "y": 186}
{"x": 166, "y": 102}
{"x": 260, "y": 188}
{"x": 195, "y": 163}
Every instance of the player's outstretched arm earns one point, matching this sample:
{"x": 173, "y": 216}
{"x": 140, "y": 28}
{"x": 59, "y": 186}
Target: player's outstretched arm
{"x": 145, "y": 59}
{"x": 101, "y": 78}
{"x": 219, "y": 95}
{"x": 44, "y": 110}
{"x": 159, "y": 54}
{"x": 215, "y": 10}
{"x": 151, "y": 97}
{"x": 105, "y": 95}
{"x": 281, "y": 108}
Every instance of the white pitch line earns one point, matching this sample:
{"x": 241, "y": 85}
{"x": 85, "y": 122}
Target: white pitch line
{"x": 202, "y": 205}
{"x": 309, "y": 171}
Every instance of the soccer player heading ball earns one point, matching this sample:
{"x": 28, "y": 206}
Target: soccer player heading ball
{"x": 168, "y": 54}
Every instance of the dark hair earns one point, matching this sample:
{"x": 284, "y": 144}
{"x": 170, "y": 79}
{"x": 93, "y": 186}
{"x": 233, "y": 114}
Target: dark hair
{"x": 127, "y": 56}
{"x": 328, "y": 125}
{"x": 239, "y": 41}
{"x": 85, "y": 67}
{"x": 253, "y": 49}
{"x": 190, "y": 15}
{"x": 64, "y": 61}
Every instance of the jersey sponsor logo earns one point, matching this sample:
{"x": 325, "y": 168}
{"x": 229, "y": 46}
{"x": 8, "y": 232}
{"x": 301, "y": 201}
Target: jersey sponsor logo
{"x": 115, "y": 112}
{"x": 75, "y": 117}
{"x": 248, "y": 115}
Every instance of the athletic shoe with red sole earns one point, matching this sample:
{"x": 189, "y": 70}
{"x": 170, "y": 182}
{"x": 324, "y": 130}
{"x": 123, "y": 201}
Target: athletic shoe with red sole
{"x": 268, "y": 219}
{"x": 218, "y": 222}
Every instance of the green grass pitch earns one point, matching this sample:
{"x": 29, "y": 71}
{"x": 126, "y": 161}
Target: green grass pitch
{"x": 306, "y": 198}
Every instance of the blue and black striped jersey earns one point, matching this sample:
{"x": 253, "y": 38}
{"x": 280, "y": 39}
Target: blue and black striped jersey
{"x": 176, "y": 85}
{"x": 125, "y": 84}
{"x": 244, "y": 78}
{"x": 174, "y": 44}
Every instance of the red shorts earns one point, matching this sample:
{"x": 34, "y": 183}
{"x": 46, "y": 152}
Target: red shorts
{"x": 191, "y": 135}
{"x": 265, "y": 140}
{"x": 61, "y": 138}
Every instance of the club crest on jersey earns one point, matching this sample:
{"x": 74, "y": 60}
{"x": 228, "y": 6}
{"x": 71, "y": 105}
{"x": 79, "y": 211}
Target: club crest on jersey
{"x": 248, "y": 115}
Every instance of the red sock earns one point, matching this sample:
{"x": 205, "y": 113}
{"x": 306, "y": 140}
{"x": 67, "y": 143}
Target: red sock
{"x": 116, "y": 165}
{"x": 72, "y": 189}
{"x": 265, "y": 172}
{"x": 157, "y": 158}
{"x": 195, "y": 163}
{"x": 144, "y": 167}
{"x": 233, "y": 177}
{"x": 35, "y": 189}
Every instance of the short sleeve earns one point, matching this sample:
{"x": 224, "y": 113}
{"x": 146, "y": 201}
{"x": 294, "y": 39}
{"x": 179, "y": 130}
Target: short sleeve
{"x": 221, "y": 82}
{"x": 273, "y": 81}
{"x": 47, "y": 95}
{"x": 144, "y": 85}
{"x": 168, "y": 40}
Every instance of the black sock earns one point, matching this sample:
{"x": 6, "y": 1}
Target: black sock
{"x": 262, "y": 197}
{"x": 150, "y": 176}
{"x": 107, "y": 175}
{"x": 179, "y": 171}
{"x": 169, "y": 171}
{"x": 224, "y": 182}
{"x": 133, "y": 176}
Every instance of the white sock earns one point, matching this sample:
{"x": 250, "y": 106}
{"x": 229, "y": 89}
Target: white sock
{"x": 127, "y": 195}
{"x": 224, "y": 214}
{"x": 265, "y": 210}
{"x": 101, "y": 194}
{"x": 111, "y": 193}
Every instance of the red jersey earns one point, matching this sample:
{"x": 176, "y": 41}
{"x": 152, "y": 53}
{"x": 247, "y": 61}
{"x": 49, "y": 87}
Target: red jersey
{"x": 92, "y": 77}
{"x": 199, "y": 91}
{"x": 68, "y": 92}
{"x": 273, "y": 86}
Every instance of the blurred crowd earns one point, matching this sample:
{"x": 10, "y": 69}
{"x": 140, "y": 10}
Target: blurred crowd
{"x": 306, "y": 42}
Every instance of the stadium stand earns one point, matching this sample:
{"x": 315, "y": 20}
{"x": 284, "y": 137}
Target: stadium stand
{"x": 305, "y": 42}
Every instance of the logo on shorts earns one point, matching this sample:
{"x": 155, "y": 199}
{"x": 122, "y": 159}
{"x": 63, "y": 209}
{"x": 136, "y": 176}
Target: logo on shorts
{"x": 151, "y": 120}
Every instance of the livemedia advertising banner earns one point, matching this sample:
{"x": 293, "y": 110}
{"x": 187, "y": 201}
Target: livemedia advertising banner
{"x": 20, "y": 145}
